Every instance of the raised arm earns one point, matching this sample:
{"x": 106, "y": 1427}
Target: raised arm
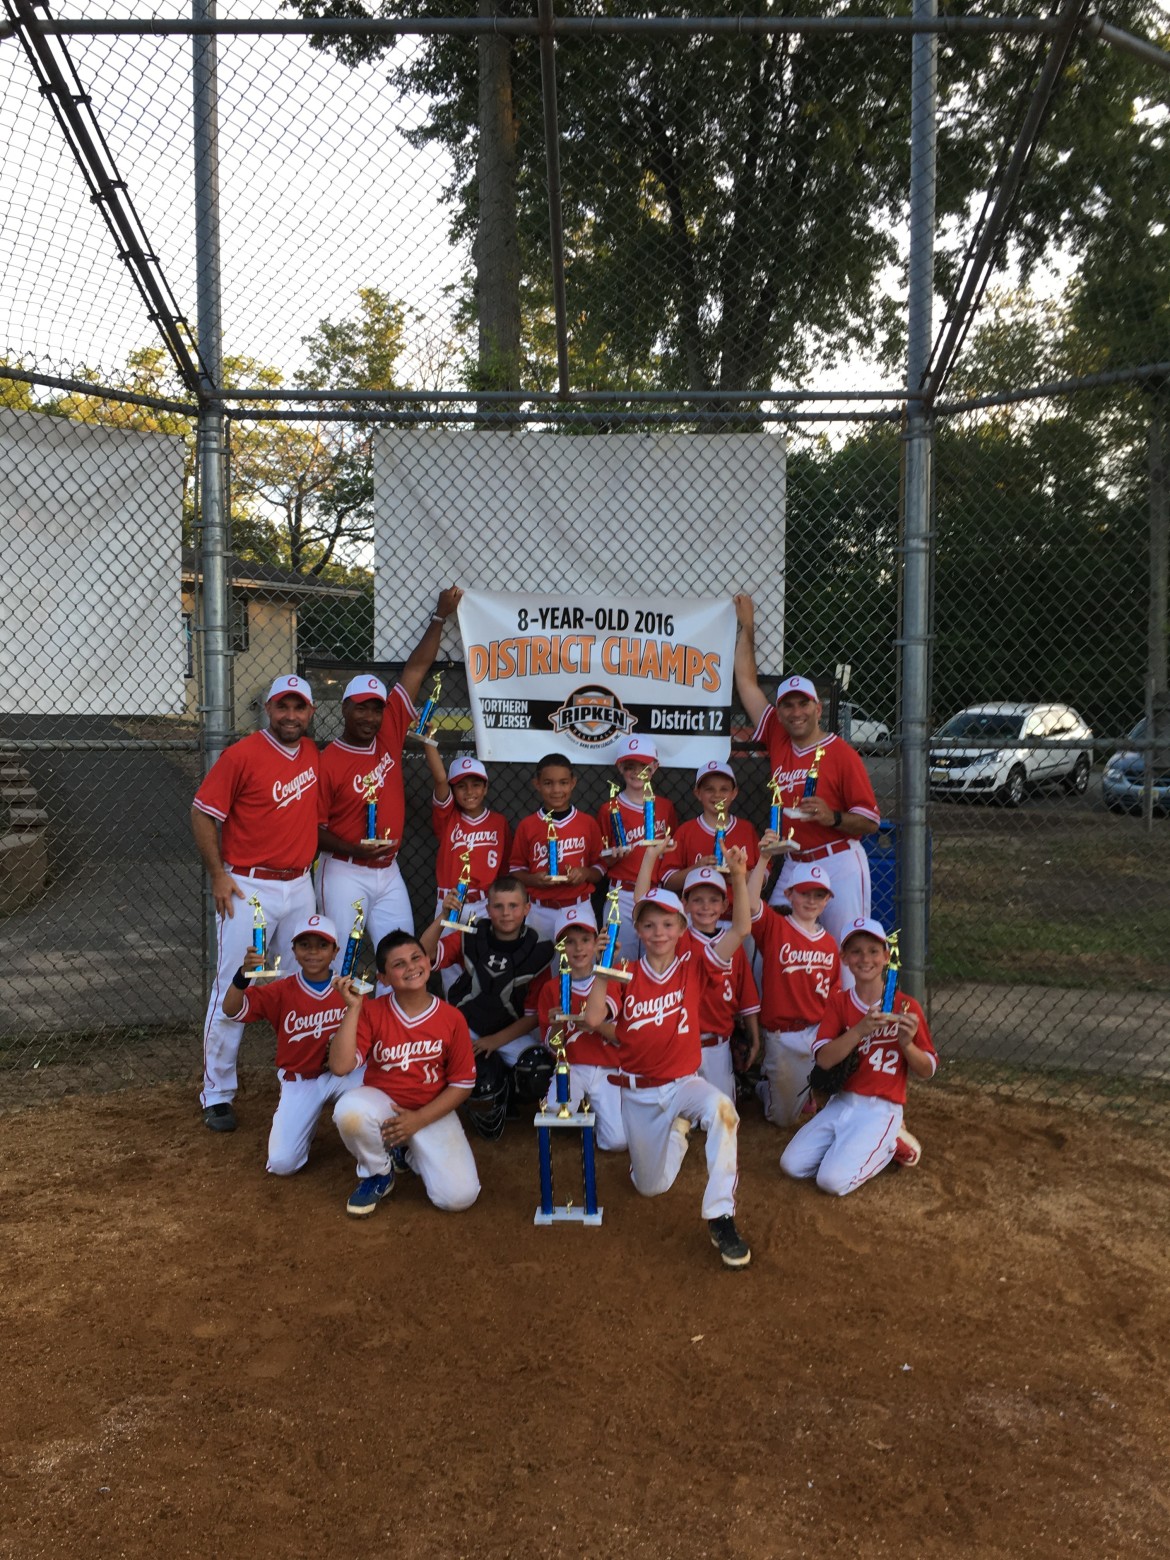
{"x": 741, "y": 916}
{"x": 439, "y": 787}
{"x": 747, "y": 681}
{"x": 422, "y": 657}
{"x": 651, "y": 852}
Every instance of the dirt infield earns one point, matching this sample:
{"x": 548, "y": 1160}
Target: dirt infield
{"x": 964, "y": 1359}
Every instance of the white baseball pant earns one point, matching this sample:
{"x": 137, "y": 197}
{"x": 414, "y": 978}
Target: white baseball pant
{"x": 439, "y": 1154}
{"x": 715, "y": 1066}
{"x": 283, "y": 903}
{"x": 605, "y": 1098}
{"x": 382, "y": 893}
{"x": 657, "y": 1149}
{"x": 848, "y": 874}
{"x": 543, "y": 918}
{"x": 787, "y": 1064}
{"x": 299, "y": 1109}
{"x": 846, "y": 1144}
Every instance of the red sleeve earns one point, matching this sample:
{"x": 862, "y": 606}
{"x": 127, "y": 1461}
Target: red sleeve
{"x": 221, "y": 784}
{"x": 366, "y": 1029}
{"x": 460, "y": 1056}
{"x": 396, "y": 717}
{"x": 519, "y": 856}
{"x": 856, "y": 786}
{"x": 593, "y": 843}
{"x": 441, "y": 814}
{"x": 450, "y": 953}
{"x": 747, "y": 997}
{"x": 261, "y": 1001}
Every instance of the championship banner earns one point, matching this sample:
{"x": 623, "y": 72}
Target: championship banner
{"x": 546, "y": 674}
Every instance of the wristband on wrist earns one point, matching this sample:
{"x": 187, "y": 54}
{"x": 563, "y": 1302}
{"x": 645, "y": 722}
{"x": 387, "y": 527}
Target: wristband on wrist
{"x": 437, "y": 617}
{"x": 238, "y": 979}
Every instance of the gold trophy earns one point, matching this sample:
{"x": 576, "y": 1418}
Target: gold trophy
{"x": 370, "y": 787}
{"x": 260, "y": 943}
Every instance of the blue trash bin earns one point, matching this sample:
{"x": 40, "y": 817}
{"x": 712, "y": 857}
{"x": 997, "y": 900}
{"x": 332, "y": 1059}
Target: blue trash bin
{"x": 882, "y": 850}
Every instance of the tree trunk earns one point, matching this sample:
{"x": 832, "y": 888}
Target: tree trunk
{"x": 497, "y": 247}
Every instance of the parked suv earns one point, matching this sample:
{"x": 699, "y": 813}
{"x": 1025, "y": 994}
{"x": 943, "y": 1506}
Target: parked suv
{"x": 1003, "y": 772}
{"x": 1124, "y": 781}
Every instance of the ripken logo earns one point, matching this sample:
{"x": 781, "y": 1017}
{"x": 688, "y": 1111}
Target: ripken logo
{"x": 592, "y": 717}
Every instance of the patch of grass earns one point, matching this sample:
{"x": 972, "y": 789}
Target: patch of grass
{"x": 1124, "y": 952}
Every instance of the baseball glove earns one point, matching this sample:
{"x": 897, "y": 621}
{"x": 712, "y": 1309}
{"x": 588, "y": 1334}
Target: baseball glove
{"x": 824, "y": 1082}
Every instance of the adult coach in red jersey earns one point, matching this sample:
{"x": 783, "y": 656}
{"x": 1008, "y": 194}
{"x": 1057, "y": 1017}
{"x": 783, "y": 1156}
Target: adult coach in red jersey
{"x": 831, "y": 824}
{"x": 254, "y": 820}
{"x": 369, "y": 753}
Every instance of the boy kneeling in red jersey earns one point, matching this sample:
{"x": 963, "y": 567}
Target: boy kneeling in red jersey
{"x": 419, "y": 1070}
{"x": 860, "y": 1130}
{"x": 658, "y": 1030}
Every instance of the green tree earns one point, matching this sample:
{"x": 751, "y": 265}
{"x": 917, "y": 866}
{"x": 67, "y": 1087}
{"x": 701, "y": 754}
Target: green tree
{"x": 731, "y": 202}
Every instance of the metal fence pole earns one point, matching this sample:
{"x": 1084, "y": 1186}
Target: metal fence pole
{"x": 917, "y": 540}
{"x": 214, "y": 659}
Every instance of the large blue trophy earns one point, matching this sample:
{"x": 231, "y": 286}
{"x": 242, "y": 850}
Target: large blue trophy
{"x": 555, "y": 1114}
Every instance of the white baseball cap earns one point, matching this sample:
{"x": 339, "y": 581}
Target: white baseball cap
{"x": 714, "y": 767}
{"x": 801, "y": 685}
{"x": 705, "y": 877}
{"x": 315, "y": 926}
{"x": 574, "y": 915}
{"x": 636, "y": 747}
{"x": 363, "y": 688}
{"x": 663, "y": 899}
{"x": 298, "y": 686}
{"x": 811, "y": 877}
{"x": 466, "y": 769}
{"x": 867, "y": 925}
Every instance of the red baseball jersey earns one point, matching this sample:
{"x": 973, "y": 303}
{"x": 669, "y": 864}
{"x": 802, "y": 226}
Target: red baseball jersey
{"x": 800, "y": 970}
{"x": 345, "y": 771}
{"x": 624, "y": 870}
{"x": 696, "y": 839}
{"x": 882, "y": 1070}
{"x": 733, "y": 997}
{"x": 658, "y": 1023}
{"x": 487, "y": 839}
{"x": 582, "y": 1047}
{"x": 414, "y": 1059}
{"x": 265, "y": 795}
{"x": 305, "y": 1021}
{"x": 842, "y": 781}
{"x": 578, "y": 845}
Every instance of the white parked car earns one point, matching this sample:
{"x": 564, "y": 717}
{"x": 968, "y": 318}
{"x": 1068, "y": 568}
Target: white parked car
{"x": 988, "y": 754}
{"x": 859, "y": 728}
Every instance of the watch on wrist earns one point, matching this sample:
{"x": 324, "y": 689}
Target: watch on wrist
{"x": 837, "y": 816}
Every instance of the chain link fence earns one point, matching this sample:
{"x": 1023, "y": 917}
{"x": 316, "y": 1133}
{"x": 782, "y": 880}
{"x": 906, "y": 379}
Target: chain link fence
{"x": 732, "y": 213}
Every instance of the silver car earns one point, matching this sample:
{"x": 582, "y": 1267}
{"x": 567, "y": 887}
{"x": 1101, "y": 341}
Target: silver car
{"x": 990, "y": 753}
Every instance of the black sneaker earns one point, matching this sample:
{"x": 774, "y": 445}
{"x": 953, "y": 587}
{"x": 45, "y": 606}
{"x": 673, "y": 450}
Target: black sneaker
{"x": 219, "y": 1118}
{"x": 734, "y": 1250}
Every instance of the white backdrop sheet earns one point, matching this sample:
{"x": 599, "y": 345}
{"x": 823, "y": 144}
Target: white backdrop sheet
{"x": 635, "y": 515}
{"x": 90, "y": 556}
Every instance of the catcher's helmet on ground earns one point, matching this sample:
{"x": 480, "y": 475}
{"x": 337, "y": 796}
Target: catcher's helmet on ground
{"x": 489, "y": 1099}
{"x": 532, "y": 1074}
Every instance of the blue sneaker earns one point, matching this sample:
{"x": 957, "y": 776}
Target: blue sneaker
{"x": 398, "y": 1160}
{"x": 370, "y": 1193}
